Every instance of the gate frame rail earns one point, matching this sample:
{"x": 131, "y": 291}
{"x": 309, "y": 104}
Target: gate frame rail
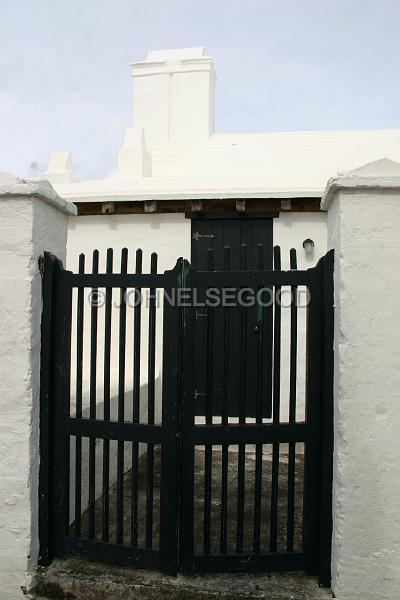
{"x": 177, "y": 434}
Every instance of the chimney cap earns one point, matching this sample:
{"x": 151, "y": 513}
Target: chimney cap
{"x": 174, "y": 54}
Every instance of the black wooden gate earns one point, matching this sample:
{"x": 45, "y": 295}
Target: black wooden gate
{"x": 132, "y": 472}
{"x": 102, "y": 446}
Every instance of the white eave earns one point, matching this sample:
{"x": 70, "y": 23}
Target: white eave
{"x": 107, "y": 190}
{"x": 264, "y": 165}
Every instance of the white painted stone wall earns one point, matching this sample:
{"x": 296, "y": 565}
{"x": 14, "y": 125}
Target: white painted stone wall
{"x": 169, "y": 236}
{"x": 32, "y": 219}
{"x": 363, "y": 225}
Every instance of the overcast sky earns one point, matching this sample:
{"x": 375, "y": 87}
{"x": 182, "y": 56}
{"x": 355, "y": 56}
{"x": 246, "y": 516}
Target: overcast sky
{"x": 285, "y": 65}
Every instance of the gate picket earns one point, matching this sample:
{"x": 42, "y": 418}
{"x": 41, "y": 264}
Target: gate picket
{"x": 136, "y": 401}
{"x": 224, "y": 416}
{"x": 292, "y": 408}
{"x": 151, "y": 370}
{"x": 276, "y": 405}
{"x": 93, "y": 397}
{"x": 107, "y": 404}
{"x": 79, "y": 368}
{"x": 262, "y": 536}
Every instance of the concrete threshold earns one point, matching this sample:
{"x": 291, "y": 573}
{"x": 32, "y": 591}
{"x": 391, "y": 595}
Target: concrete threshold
{"x": 78, "y": 579}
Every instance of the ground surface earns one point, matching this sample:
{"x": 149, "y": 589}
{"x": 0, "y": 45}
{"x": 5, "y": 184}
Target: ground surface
{"x": 80, "y": 579}
{"x": 216, "y": 501}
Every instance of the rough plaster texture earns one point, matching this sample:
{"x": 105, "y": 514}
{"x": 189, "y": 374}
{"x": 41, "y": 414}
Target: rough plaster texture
{"x": 32, "y": 219}
{"x": 363, "y": 226}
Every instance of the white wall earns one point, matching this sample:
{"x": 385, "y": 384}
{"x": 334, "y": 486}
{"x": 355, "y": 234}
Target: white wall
{"x": 363, "y": 224}
{"x": 290, "y": 230}
{"x": 28, "y": 226}
{"x": 169, "y": 235}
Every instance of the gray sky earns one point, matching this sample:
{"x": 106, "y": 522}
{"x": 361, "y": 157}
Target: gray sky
{"x": 285, "y": 65}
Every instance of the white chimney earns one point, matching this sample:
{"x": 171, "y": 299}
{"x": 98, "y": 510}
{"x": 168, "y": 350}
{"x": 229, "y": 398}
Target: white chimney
{"x": 173, "y": 99}
{"x": 60, "y": 168}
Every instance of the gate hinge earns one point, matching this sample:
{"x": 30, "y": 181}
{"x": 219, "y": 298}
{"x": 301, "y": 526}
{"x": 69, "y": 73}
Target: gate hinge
{"x": 198, "y": 394}
{"x": 196, "y": 235}
{"x": 41, "y": 265}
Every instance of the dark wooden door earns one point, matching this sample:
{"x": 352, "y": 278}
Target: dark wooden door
{"x": 239, "y": 233}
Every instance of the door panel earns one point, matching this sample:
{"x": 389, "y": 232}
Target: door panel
{"x": 248, "y": 326}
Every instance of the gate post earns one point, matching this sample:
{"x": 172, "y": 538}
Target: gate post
{"x": 33, "y": 219}
{"x": 363, "y": 227}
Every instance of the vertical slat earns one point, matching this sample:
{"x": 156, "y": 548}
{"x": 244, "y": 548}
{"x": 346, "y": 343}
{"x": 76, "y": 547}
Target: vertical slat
{"x": 259, "y": 411}
{"x": 61, "y": 400}
{"x": 171, "y": 391}
{"x": 327, "y": 424}
{"x": 106, "y": 381}
{"x": 121, "y": 401}
{"x": 268, "y": 335}
{"x": 314, "y": 391}
{"x": 209, "y": 414}
{"x": 225, "y": 405}
{"x": 136, "y": 402}
{"x": 151, "y": 405}
{"x": 292, "y": 406}
{"x": 79, "y": 373}
{"x": 93, "y": 397}
{"x": 242, "y": 413}
{"x": 47, "y": 368}
{"x": 276, "y": 400}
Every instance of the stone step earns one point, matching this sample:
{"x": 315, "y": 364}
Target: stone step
{"x": 83, "y": 580}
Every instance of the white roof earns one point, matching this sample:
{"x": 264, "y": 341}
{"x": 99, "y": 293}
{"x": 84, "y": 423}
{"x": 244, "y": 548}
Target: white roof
{"x": 264, "y": 165}
{"x": 172, "y": 151}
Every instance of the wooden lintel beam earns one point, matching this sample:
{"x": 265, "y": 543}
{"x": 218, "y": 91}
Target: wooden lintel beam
{"x": 150, "y": 206}
{"x": 266, "y": 205}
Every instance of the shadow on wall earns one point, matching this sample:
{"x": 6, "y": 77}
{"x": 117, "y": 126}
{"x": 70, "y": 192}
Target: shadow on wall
{"x": 113, "y": 447}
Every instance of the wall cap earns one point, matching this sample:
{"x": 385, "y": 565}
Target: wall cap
{"x": 379, "y": 174}
{"x": 16, "y": 186}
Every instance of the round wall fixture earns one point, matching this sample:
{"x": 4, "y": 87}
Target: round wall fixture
{"x": 308, "y": 246}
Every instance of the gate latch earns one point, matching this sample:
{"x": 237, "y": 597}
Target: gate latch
{"x": 200, "y": 314}
{"x": 196, "y": 235}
